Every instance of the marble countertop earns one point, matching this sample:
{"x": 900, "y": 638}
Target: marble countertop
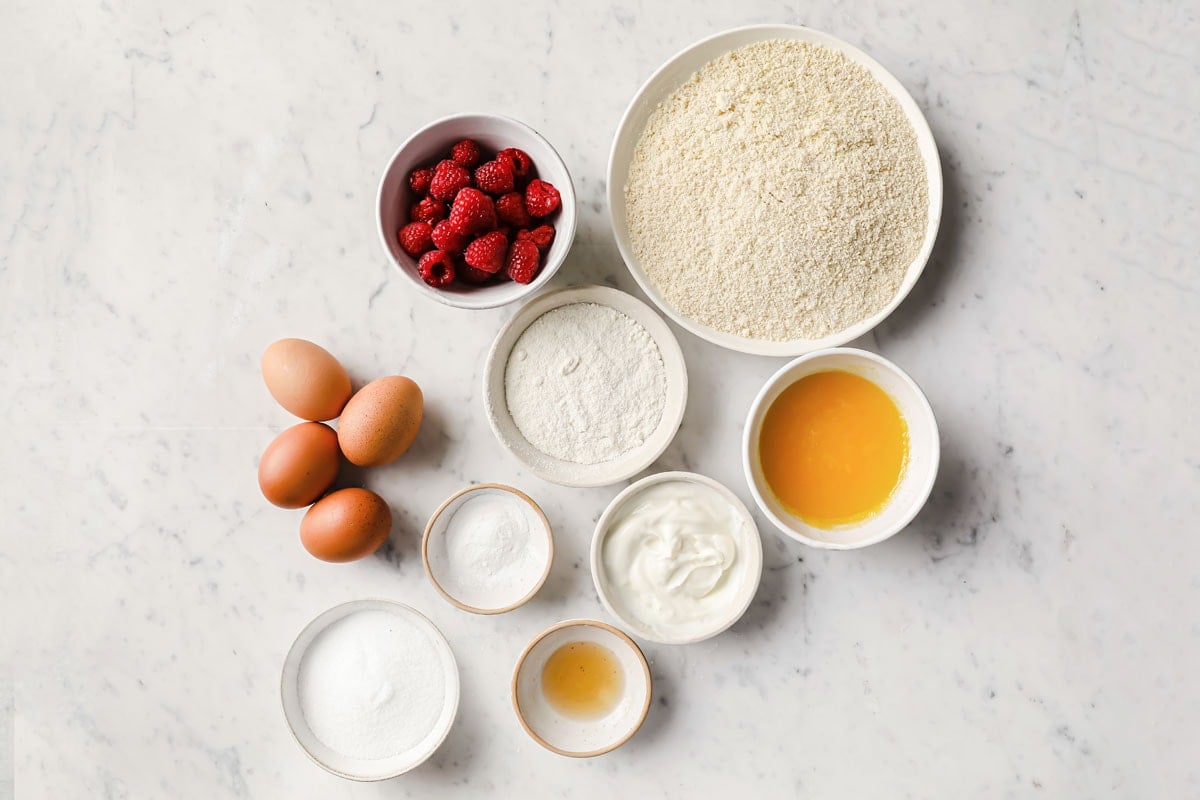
{"x": 182, "y": 183}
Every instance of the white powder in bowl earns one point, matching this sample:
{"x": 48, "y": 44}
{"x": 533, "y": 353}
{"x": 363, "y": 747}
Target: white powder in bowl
{"x": 778, "y": 194}
{"x": 372, "y": 685}
{"x": 585, "y": 383}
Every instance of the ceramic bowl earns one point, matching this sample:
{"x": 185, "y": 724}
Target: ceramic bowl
{"x": 919, "y": 473}
{"x": 482, "y": 602}
{"x": 567, "y": 473}
{"x": 748, "y": 572}
{"x": 674, "y": 73}
{"x": 426, "y": 147}
{"x": 339, "y": 763}
{"x": 573, "y": 737}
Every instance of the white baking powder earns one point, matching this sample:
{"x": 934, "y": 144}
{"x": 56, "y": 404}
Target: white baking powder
{"x": 585, "y": 383}
{"x": 490, "y": 551}
{"x": 372, "y": 685}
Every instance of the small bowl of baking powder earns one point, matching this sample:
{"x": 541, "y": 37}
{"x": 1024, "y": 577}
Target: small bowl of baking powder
{"x": 488, "y": 548}
{"x": 585, "y": 386}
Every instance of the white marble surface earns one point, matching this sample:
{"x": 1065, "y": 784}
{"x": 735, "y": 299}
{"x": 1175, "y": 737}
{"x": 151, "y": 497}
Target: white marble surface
{"x": 181, "y": 183}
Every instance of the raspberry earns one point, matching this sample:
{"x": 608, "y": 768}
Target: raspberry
{"x": 448, "y": 238}
{"x": 519, "y": 160}
{"x": 428, "y": 210}
{"x": 472, "y": 212}
{"x": 510, "y": 208}
{"x": 418, "y": 181}
{"x": 466, "y": 153}
{"x": 542, "y": 237}
{"x": 415, "y": 238}
{"x": 436, "y": 268}
{"x": 541, "y": 199}
{"x": 468, "y": 274}
{"x": 523, "y": 261}
{"x": 448, "y": 178}
{"x": 495, "y": 177}
{"x": 487, "y": 252}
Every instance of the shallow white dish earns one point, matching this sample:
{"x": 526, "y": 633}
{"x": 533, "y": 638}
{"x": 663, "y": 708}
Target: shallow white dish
{"x": 338, "y": 763}
{"x": 668, "y": 78}
{"x": 567, "y": 473}
{"x": 426, "y": 147}
{"x": 919, "y": 472}
{"x": 750, "y": 570}
{"x": 574, "y": 737}
{"x": 436, "y": 528}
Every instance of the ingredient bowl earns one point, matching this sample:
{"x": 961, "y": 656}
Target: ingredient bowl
{"x": 919, "y": 471}
{"x": 570, "y": 735}
{"x": 488, "y": 575}
{"x": 678, "y": 70}
{"x": 425, "y": 147}
{"x": 568, "y": 473}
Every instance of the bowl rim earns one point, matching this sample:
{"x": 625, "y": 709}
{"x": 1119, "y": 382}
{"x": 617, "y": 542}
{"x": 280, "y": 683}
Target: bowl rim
{"x": 935, "y": 184}
{"x": 583, "y": 623}
{"x": 564, "y": 230}
{"x": 601, "y": 531}
{"x": 348, "y": 607}
{"x": 429, "y": 526}
{"x": 754, "y": 419}
{"x": 664, "y": 338}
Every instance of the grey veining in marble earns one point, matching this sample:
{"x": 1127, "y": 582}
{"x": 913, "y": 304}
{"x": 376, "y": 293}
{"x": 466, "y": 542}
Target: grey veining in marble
{"x": 182, "y": 183}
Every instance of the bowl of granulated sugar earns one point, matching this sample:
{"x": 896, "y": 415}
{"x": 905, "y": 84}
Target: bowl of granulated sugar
{"x": 774, "y": 190}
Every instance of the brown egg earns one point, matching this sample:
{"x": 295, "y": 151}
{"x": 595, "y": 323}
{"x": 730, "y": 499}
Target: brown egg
{"x": 305, "y": 379}
{"x": 381, "y": 421}
{"x": 346, "y": 525}
{"x": 299, "y": 465}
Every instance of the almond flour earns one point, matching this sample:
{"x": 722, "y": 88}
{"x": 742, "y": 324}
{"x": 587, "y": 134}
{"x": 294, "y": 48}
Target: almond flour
{"x": 778, "y": 194}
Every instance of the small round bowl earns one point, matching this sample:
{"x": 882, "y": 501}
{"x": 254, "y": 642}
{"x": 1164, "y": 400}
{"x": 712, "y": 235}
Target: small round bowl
{"x": 494, "y": 603}
{"x": 567, "y": 473}
{"x": 750, "y": 571}
{"x": 338, "y": 763}
{"x": 920, "y": 471}
{"x": 425, "y": 148}
{"x": 678, "y": 70}
{"x": 574, "y": 737}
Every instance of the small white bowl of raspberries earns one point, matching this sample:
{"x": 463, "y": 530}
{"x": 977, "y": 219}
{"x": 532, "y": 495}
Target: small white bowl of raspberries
{"x": 476, "y": 210}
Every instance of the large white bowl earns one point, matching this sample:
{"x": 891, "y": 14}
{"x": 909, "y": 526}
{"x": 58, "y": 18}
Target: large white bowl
{"x": 920, "y": 471}
{"x": 432, "y": 143}
{"x": 567, "y": 473}
{"x": 674, "y": 73}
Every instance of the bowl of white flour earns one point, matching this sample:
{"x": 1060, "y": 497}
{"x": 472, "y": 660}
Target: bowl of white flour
{"x": 774, "y": 190}
{"x": 585, "y": 386}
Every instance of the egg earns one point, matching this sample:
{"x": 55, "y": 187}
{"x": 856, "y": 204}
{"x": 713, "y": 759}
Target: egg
{"x": 305, "y": 379}
{"x": 380, "y": 421}
{"x": 346, "y": 525}
{"x": 299, "y": 465}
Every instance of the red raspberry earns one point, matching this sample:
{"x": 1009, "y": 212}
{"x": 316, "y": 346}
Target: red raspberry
{"x": 448, "y": 178}
{"x": 495, "y": 177}
{"x": 415, "y": 238}
{"x": 476, "y": 277}
{"x": 510, "y": 208}
{"x": 466, "y": 153}
{"x": 519, "y": 160}
{"x": 472, "y": 212}
{"x": 542, "y": 237}
{"x": 418, "y": 181}
{"x": 428, "y": 210}
{"x": 448, "y": 238}
{"x": 436, "y": 268}
{"x": 523, "y": 261}
{"x": 541, "y": 199}
{"x": 487, "y": 252}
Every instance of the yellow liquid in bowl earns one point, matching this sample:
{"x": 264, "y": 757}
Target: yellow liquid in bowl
{"x": 833, "y": 447}
{"x": 583, "y": 680}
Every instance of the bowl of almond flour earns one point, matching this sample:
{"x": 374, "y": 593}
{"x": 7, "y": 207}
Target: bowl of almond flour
{"x": 774, "y": 190}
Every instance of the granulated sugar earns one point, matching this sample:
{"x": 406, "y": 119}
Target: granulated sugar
{"x": 778, "y": 194}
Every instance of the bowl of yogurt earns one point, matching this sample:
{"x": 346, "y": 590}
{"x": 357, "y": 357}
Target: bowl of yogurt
{"x": 676, "y": 557}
